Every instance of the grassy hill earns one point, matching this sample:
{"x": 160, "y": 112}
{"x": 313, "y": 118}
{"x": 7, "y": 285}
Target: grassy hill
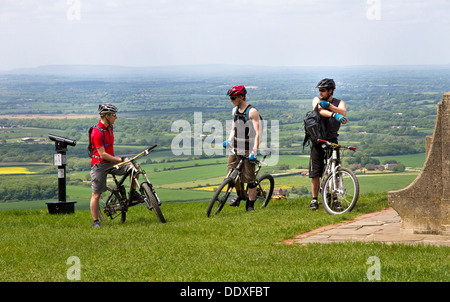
{"x": 234, "y": 246}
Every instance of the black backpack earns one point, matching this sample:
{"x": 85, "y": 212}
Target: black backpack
{"x": 90, "y": 152}
{"x": 314, "y": 127}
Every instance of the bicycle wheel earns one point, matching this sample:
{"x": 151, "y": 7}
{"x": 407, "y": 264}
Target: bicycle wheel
{"x": 151, "y": 201}
{"x": 221, "y": 196}
{"x": 264, "y": 189}
{"x": 344, "y": 198}
{"x": 111, "y": 206}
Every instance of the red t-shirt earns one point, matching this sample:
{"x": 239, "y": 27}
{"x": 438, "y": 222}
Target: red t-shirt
{"x": 97, "y": 142}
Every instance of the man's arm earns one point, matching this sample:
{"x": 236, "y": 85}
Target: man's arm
{"x": 341, "y": 109}
{"x": 231, "y": 136}
{"x": 108, "y": 157}
{"x": 253, "y": 115}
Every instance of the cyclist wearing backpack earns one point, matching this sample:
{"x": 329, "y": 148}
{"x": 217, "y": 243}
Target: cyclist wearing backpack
{"x": 332, "y": 111}
{"x": 244, "y": 138}
{"x": 101, "y": 150}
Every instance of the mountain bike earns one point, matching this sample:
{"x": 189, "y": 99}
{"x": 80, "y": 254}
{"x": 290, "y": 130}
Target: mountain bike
{"x": 117, "y": 202}
{"x": 264, "y": 189}
{"x": 339, "y": 185}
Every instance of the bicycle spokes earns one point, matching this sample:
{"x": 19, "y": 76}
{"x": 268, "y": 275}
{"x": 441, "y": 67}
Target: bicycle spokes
{"x": 340, "y": 192}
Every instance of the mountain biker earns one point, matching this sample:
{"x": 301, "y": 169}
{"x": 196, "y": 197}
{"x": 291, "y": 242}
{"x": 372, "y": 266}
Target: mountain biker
{"x": 103, "y": 158}
{"x": 333, "y": 112}
{"x": 244, "y": 138}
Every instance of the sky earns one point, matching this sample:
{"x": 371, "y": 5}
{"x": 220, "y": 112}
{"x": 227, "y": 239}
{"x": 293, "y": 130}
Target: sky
{"x": 144, "y": 33}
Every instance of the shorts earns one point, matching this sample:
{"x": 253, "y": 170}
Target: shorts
{"x": 99, "y": 173}
{"x": 247, "y": 169}
{"x": 317, "y": 159}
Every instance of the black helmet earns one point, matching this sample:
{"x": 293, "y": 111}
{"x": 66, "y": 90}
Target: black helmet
{"x": 326, "y": 83}
{"x": 107, "y": 108}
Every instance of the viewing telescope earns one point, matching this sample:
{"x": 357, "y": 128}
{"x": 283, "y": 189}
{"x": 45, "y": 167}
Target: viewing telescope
{"x": 64, "y": 140}
{"x": 62, "y": 205}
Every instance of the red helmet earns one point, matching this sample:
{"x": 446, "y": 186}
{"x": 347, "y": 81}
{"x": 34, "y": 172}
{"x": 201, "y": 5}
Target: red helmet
{"x": 237, "y": 90}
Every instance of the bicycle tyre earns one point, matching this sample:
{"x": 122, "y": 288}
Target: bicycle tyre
{"x": 347, "y": 196}
{"x": 111, "y": 206}
{"x": 264, "y": 189}
{"x": 152, "y": 202}
{"x": 220, "y": 196}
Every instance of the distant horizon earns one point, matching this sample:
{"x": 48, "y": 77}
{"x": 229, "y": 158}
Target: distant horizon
{"x": 309, "y": 67}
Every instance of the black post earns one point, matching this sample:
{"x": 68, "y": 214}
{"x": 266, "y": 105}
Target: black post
{"x": 60, "y": 162}
{"x": 62, "y": 206}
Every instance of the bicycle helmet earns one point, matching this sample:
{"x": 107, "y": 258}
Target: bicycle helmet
{"x": 326, "y": 83}
{"x": 237, "y": 90}
{"x": 107, "y": 108}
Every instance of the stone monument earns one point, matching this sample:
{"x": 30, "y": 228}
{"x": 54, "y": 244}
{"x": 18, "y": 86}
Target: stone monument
{"x": 424, "y": 205}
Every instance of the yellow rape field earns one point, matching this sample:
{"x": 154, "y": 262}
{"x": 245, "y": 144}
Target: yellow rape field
{"x": 210, "y": 188}
{"x": 213, "y": 188}
{"x": 15, "y": 170}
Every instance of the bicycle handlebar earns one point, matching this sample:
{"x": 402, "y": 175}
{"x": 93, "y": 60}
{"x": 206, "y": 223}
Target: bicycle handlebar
{"x": 335, "y": 145}
{"x": 145, "y": 152}
{"x": 268, "y": 151}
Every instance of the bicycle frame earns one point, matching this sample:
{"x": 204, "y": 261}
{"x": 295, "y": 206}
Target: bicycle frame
{"x": 117, "y": 201}
{"x": 339, "y": 186}
{"x": 264, "y": 188}
{"x": 332, "y": 165}
{"x": 135, "y": 171}
{"x": 235, "y": 172}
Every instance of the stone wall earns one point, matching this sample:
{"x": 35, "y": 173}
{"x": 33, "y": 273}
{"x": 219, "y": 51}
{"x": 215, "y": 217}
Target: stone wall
{"x": 424, "y": 205}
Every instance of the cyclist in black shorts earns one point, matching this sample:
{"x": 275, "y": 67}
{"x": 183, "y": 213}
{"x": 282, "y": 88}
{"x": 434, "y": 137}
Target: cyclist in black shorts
{"x": 333, "y": 112}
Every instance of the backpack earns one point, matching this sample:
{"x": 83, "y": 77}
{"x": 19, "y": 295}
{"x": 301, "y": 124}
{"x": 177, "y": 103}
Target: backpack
{"x": 314, "y": 127}
{"x": 246, "y": 114}
{"x": 90, "y": 152}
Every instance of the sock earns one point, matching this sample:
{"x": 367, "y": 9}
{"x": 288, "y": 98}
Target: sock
{"x": 249, "y": 204}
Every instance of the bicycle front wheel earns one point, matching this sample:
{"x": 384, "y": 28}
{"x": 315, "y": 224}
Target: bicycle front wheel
{"x": 341, "y": 198}
{"x": 264, "y": 190}
{"x": 152, "y": 202}
{"x": 220, "y": 197}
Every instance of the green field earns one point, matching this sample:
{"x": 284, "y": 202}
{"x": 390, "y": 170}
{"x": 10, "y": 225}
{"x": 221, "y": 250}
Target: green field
{"x": 181, "y": 181}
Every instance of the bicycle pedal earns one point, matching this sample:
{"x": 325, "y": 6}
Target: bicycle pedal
{"x": 234, "y": 203}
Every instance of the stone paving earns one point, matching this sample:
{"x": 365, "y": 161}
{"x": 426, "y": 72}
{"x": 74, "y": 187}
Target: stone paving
{"x": 383, "y": 226}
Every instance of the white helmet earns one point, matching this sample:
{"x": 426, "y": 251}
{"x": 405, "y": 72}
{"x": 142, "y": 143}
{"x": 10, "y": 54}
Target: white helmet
{"x": 107, "y": 108}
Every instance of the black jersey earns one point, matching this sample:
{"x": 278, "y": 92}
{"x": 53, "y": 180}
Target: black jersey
{"x": 244, "y": 131}
{"x": 331, "y": 124}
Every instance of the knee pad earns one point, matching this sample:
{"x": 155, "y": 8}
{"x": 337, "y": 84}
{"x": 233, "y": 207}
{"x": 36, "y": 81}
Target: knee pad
{"x": 252, "y": 185}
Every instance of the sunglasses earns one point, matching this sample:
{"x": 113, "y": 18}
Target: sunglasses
{"x": 323, "y": 89}
{"x": 233, "y": 98}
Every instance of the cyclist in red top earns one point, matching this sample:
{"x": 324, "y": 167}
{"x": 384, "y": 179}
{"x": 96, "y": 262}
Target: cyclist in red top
{"x": 103, "y": 158}
{"x": 103, "y": 140}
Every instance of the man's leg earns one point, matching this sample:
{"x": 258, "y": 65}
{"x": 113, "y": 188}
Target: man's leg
{"x": 316, "y": 166}
{"x": 315, "y": 184}
{"x": 237, "y": 200}
{"x": 95, "y": 209}
{"x": 251, "y": 196}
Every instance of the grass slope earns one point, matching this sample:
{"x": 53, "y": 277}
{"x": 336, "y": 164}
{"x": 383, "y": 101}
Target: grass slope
{"x": 234, "y": 246}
